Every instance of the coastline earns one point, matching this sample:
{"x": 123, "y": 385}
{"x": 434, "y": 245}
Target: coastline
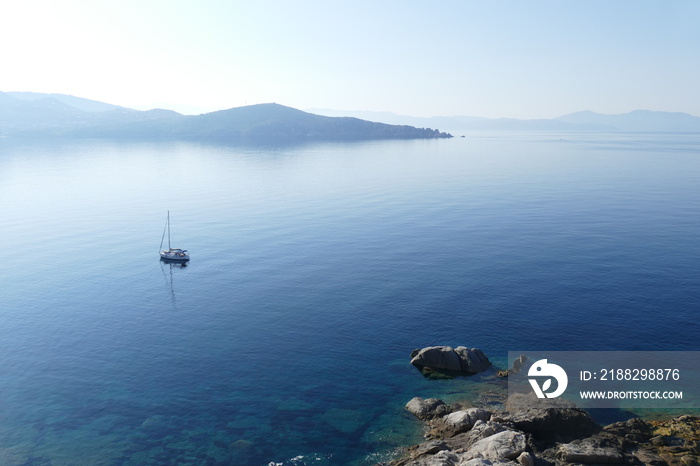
{"x": 552, "y": 436}
{"x": 517, "y": 431}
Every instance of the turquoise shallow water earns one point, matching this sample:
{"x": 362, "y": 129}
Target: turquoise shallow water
{"x": 315, "y": 271}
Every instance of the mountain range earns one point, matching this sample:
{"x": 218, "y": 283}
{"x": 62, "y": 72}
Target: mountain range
{"x": 32, "y": 115}
{"x": 29, "y": 114}
{"x": 638, "y": 120}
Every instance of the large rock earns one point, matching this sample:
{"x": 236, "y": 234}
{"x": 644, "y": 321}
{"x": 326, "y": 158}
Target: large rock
{"x": 441, "y": 458}
{"x": 460, "y": 360}
{"x": 426, "y": 409}
{"x": 526, "y": 459}
{"x": 548, "y": 425}
{"x": 472, "y": 360}
{"x": 437, "y": 357}
{"x": 458, "y": 422}
{"x": 483, "y": 462}
{"x": 506, "y": 445}
{"x": 481, "y": 430}
{"x": 635, "y": 430}
{"x": 599, "y": 449}
{"x": 552, "y": 425}
{"x": 466, "y": 418}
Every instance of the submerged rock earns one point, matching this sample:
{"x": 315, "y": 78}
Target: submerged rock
{"x": 386, "y": 431}
{"x": 346, "y": 421}
{"x": 517, "y": 365}
{"x": 155, "y": 426}
{"x": 241, "y": 451}
{"x": 17, "y": 455}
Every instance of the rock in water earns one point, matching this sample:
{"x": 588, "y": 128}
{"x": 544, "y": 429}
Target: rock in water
{"x": 427, "y": 409}
{"x": 460, "y": 360}
{"x": 472, "y": 360}
{"x": 519, "y": 362}
{"x": 438, "y": 357}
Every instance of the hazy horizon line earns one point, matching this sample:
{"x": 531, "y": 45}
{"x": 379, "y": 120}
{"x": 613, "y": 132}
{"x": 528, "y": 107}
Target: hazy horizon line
{"x": 194, "y": 110}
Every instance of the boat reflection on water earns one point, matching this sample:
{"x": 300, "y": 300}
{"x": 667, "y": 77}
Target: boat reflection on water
{"x": 168, "y": 277}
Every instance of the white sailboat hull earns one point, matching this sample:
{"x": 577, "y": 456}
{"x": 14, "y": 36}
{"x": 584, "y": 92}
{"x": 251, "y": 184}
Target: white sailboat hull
{"x": 175, "y": 254}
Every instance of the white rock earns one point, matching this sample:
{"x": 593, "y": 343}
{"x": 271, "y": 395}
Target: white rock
{"x": 443, "y": 458}
{"x": 503, "y": 445}
{"x": 458, "y": 418}
{"x": 526, "y": 459}
{"x": 426, "y": 409}
{"x": 466, "y": 418}
{"x": 483, "y": 462}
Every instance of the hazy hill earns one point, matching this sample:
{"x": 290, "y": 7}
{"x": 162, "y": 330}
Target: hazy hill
{"x": 464, "y": 123}
{"x": 639, "y": 120}
{"x": 273, "y": 120}
{"x": 80, "y": 103}
{"x": 43, "y": 115}
{"x": 396, "y": 119}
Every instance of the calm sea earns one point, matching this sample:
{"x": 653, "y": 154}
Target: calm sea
{"x": 315, "y": 271}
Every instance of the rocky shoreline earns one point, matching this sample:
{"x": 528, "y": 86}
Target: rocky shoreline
{"x": 558, "y": 435}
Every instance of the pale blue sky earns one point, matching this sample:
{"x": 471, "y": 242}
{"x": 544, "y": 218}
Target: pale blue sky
{"x": 522, "y": 59}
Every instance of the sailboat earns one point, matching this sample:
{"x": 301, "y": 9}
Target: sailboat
{"x": 172, "y": 254}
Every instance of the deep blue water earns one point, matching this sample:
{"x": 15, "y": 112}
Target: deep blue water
{"x": 315, "y": 271}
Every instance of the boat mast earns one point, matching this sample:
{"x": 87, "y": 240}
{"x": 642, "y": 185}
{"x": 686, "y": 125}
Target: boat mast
{"x": 167, "y": 227}
{"x": 169, "y": 248}
{"x": 162, "y": 238}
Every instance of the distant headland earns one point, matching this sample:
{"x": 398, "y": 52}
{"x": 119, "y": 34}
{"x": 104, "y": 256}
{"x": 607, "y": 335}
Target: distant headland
{"x": 586, "y": 121}
{"x": 32, "y": 115}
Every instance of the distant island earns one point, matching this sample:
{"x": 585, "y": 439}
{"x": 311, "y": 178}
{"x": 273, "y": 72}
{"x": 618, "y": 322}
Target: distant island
{"x": 638, "y": 120}
{"x": 33, "y": 115}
